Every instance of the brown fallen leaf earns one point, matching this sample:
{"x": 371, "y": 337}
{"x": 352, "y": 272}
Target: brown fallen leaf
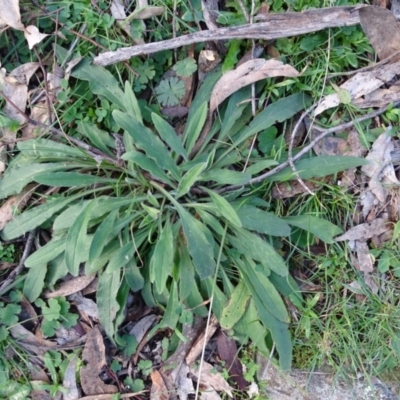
{"x": 382, "y": 29}
{"x": 247, "y": 73}
{"x": 71, "y": 286}
{"x": 158, "y": 390}
{"x": 10, "y": 15}
{"x": 365, "y": 231}
{"x": 94, "y": 357}
{"x": 69, "y": 381}
{"x": 33, "y": 36}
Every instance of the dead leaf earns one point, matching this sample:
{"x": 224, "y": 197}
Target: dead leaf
{"x": 33, "y": 36}
{"x": 85, "y": 306}
{"x": 158, "y": 390}
{"x": 13, "y": 205}
{"x": 71, "y": 286}
{"x": 39, "y": 112}
{"x": 184, "y": 385}
{"x": 247, "y": 73}
{"x": 147, "y": 12}
{"x": 69, "y": 381}
{"x": 211, "y": 379}
{"x": 10, "y": 15}
{"x": 360, "y": 85}
{"x": 94, "y": 357}
{"x": 228, "y": 352}
{"x": 365, "y": 262}
{"x": 365, "y": 231}
{"x": 382, "y": 29}
{"x": 285, "y": 190}
{"x": 208, "y": 60}
{"x": 143, "y": 326}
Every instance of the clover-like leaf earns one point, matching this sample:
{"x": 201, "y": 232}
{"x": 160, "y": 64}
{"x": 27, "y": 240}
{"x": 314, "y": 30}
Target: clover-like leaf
{"x": 185, "y": 67}
{"x": 170, "y": 91}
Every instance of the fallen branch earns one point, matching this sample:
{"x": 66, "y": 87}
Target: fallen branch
{"x": 274, "y": 26}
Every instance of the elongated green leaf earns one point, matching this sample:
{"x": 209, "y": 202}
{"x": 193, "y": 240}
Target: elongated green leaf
{"x": 262, "y": 221}
{"x": 186, "y": 272}
{"x": 47, "y": 149}
{"x": 288, "y": 287}
{"x": 172, "y": 312}
{"x": 260, "y": 166}
{"x": 318, "y": 167}
{"x": 253, "y": 247}
{"x": 16, "y": 178}
{"x": 120, "y": 258}
{"x": 46, "y": 253}
{"x": 279, "y": 111}
{"x": 131, "y": 104}
{"x": 147, "y": 164}
{"x": 70, "y": 179}
{"x": 34, "y": 282}
{"x": 225, "y": 208}
{"x": 163, "y": 258}
{"x": 31, "y": 219}
{"x": 133, "y": 276}
{"x": 225, "y": 177}
{"x": 101, "y": 82}
{"x": 189, "y": 179}
{"x": 101, "y": 235}
{"x": 146, "y": 140}
{"x": 210, "y": 221}
{"x": 200, "y": 248}
{"x": 321, "y": 228}
{"x": 258, "y": 284}
{"x": 168, "y": 134}
{"x": 100, "y": 139}
{"x": 109, "y": 250}
{"x": 194, "y": 126}
{"x": 236, "y": 306}
{"x": 107, "y": 303}
{"x": 75, "y": 244}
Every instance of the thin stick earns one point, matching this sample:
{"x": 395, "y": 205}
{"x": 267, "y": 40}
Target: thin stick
{"x": 20, "y": 266}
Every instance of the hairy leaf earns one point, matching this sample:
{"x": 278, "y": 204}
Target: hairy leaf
{"x": 34, "y": 282}
{"x": 70, "y": 179}
{"x": 189, "y": 179}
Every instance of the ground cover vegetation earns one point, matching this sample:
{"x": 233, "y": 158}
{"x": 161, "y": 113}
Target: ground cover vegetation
{"x": 146, "y": 191}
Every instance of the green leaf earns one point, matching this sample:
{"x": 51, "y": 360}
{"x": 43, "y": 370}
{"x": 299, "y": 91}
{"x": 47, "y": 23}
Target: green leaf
{"x": 236, "y": 306}
{"x": 70, "y": 179}
{"x": 185, "y": 67}
{"x": 163, "y": 258}
{"x": 168, "y": 134}
{"x": 262, "y": 221}
{"x": 46, "y": 149}
{"x": 46, "y": 253}
{"x": 225, "y": 177}
{"x": 253, "y": 247}
{"x": 318, "y": 167}
{"x": 146, "y": 163}
{"x": 321, "y": 228}
{"x": 133, "y": 276}
{"x": 101, "y": 235}
{"x": 101, "y": 82}
{"x": 200, "y": 248}
{"x": 9, "y": 314}
{"x": 259, "y": 285}
{"x": 173, "y": 309}
{"x": 120, "y": 258}
{"x": 107, "y": 304}
{"x": 100, "y": 139}
{"x": 34, "y": 217}
{"x": 75, "y": 248}
{"x": 17, "y": 177}
{"x": 279, "y": 111}
{"x": 189, "y": 179}
{"x": 131, "y": 103}
{"x": 146, "y": 140}
{"x": 186, "y": 272}
{"x": 231, "y": 57}
{"x": 170, "y": 91}
{"x": 260, "y": 166}
{"x": 51, "y": 312}
{"x": 194, "y": 126}
{"x": 225, "y": 208}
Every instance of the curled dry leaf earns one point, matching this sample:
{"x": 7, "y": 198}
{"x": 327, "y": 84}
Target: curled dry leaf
{"x": 365, "y": 231}
{"x": 72, "y": 286}
{"x": 69, "y": 381}
{"x": 33, "y": 36}
{"x": 382, "y": 29}
{"x": 10, "y": 15}
{"x": 94, "y": 357}
{"x": 247, "y": 73}
{"x": 360, "y": 85}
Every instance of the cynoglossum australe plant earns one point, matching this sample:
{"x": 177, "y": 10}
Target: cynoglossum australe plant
{"x": 136, "y": 210}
